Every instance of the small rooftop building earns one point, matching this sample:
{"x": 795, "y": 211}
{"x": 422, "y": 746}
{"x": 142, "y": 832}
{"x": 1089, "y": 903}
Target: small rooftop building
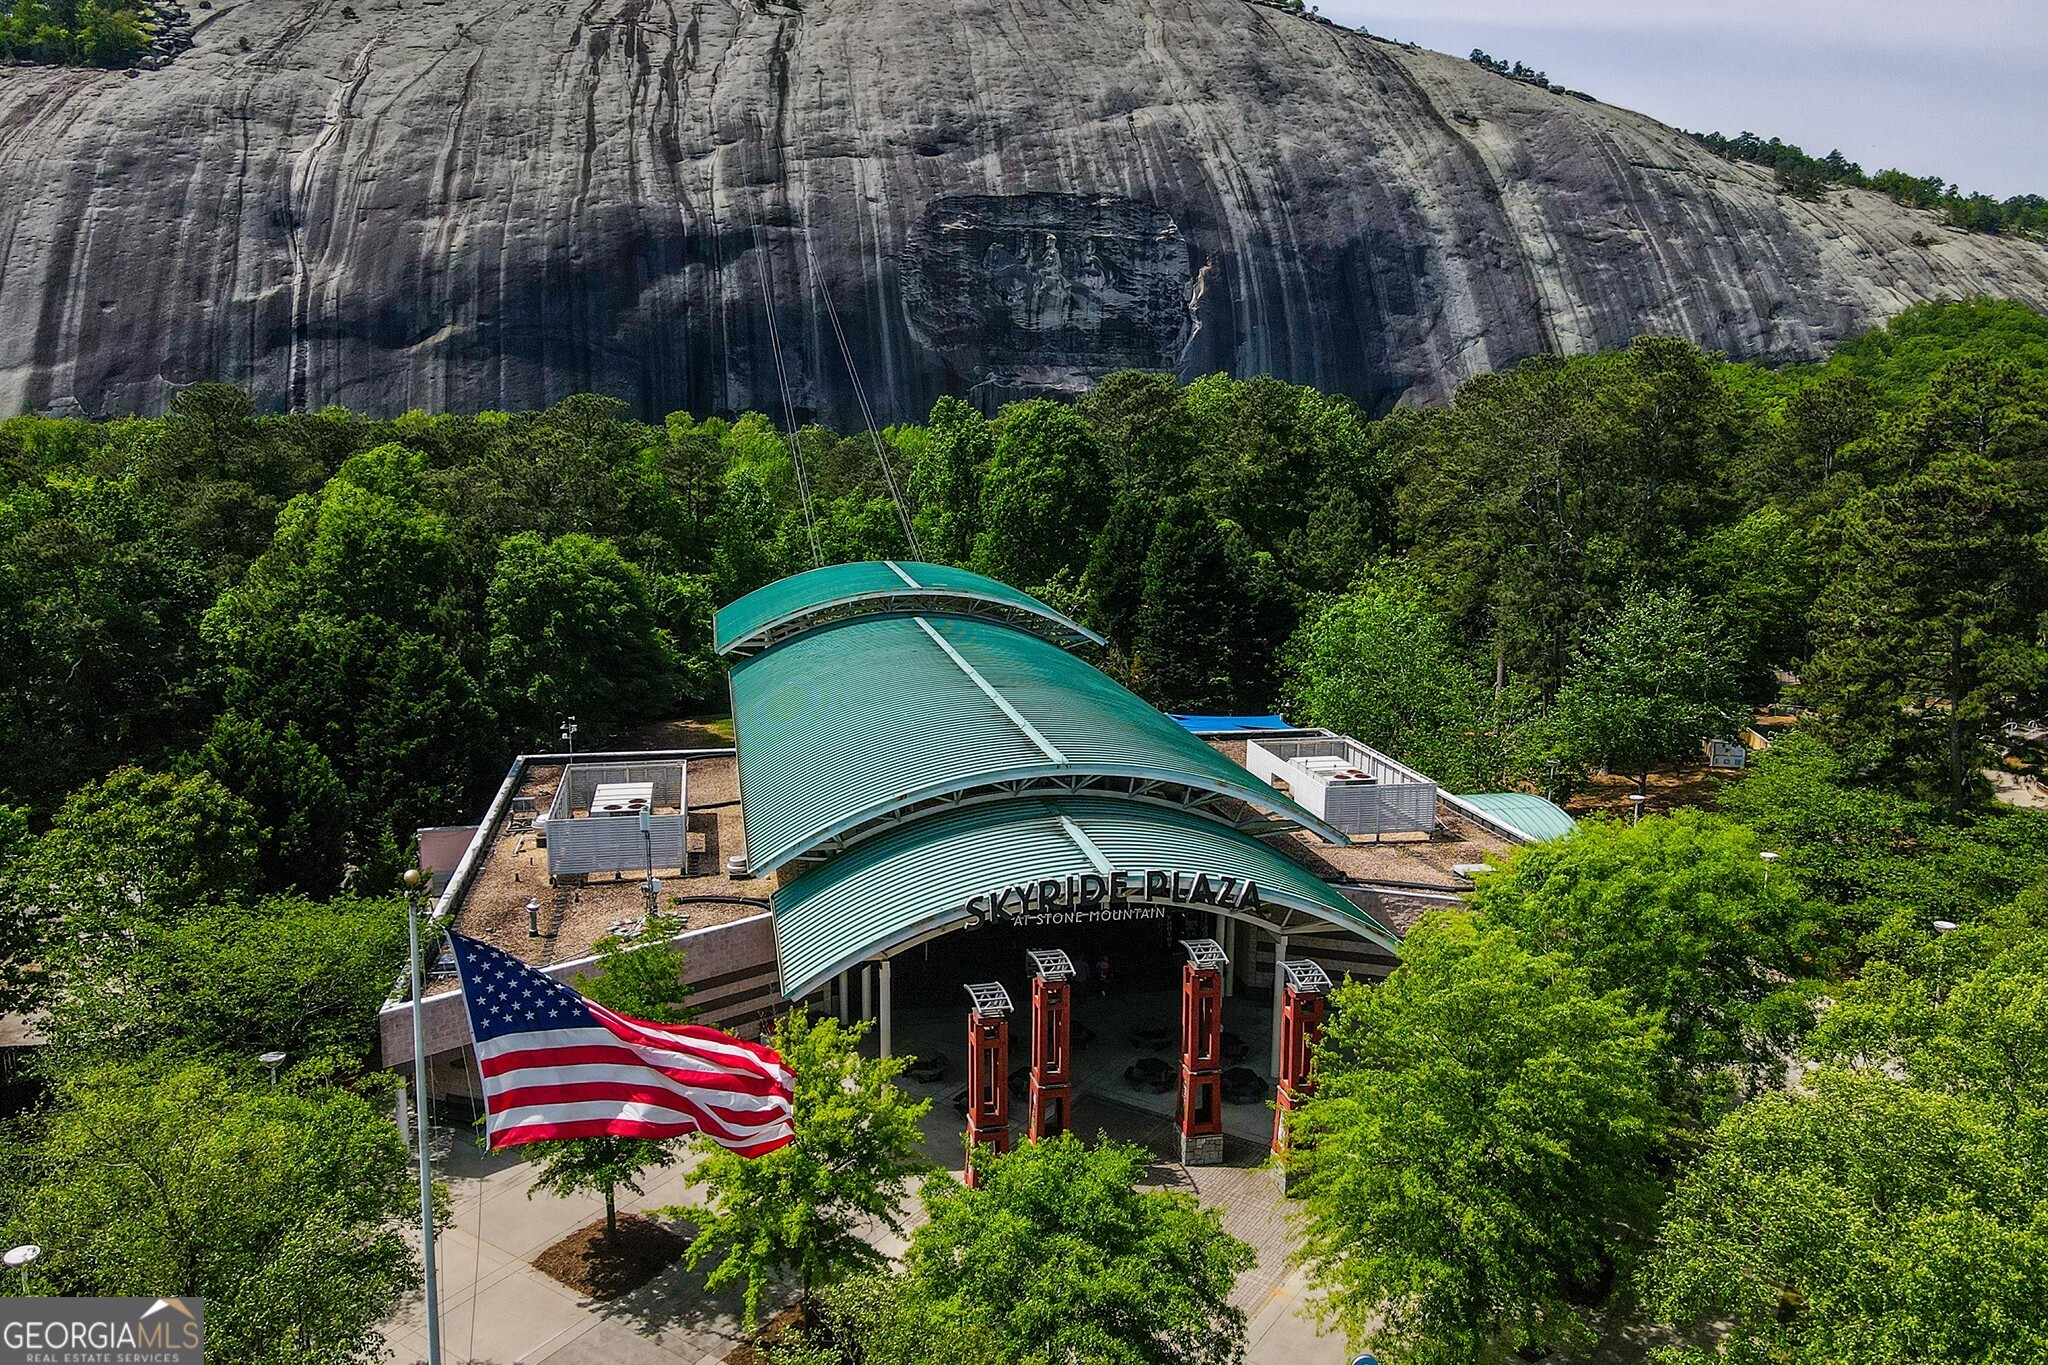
{"x": 1357, "y": 789}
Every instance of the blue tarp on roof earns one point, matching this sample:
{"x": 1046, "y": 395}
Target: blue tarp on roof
{"x": 1227, "y": 725}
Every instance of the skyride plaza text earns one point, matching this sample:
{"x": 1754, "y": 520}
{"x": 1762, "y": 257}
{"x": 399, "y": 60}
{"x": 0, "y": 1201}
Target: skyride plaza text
{"x": 1097, "y": 898}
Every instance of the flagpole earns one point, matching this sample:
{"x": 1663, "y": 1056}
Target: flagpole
{"x": 419, "y": 1074}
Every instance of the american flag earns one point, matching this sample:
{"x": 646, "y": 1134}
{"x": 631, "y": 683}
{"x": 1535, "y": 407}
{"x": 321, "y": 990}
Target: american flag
{"x": 557, "y": 1065}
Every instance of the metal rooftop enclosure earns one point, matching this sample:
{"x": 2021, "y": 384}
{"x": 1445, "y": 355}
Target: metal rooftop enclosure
{"x": 1026, "y": 860}
{"x": 836, "y": 592}
{"x": 866, "y": 723}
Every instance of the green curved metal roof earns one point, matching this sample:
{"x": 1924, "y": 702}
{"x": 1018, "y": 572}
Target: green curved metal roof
{"x": 903, "y": 885}
{"x": 767, "y": 614}
{"x": 840, "y": 727}
{"x": 1532, "y": 816}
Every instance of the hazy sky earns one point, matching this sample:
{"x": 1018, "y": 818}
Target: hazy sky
{"x": 1957, "y": 88}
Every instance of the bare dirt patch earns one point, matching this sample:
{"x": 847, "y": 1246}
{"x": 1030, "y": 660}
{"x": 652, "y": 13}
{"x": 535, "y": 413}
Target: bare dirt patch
{"x": 602, "y": 1267}
{"x": 1609, "y": 794}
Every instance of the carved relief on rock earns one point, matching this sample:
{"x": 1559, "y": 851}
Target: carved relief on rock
{"x": 1048, "y": 291}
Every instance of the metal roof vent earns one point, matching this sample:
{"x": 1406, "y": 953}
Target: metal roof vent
{"x": 1051, "y": 963}
{"x": 1307, "y": 978}
{"x": 1206, "y": 954}
{"x": 991, "y": 1001}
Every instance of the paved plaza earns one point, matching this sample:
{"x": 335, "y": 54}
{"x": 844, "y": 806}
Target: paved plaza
{"x": 497, "y": 1308}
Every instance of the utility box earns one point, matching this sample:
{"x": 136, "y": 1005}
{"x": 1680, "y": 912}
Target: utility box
{"x": 1357, "y": 789}
{"x": 1726, "y": 753}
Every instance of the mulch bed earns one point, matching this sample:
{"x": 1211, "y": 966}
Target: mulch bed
{"x": 772, "y": 1332}
{"x": 602, "y": 1267}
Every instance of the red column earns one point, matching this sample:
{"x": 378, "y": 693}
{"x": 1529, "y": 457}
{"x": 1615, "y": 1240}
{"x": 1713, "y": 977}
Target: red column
{"x": 1051, "y": 1033}
{"x": 1301, "y": 1024}
{"x": 1200, "y": 1109}
{"x": 988, "y": 1085}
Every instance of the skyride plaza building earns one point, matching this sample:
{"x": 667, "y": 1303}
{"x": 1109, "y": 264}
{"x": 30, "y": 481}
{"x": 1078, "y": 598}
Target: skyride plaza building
{"x": 935, "y": 791}
{"x": 921, "y": 754}
{"x": 933, "y": 778}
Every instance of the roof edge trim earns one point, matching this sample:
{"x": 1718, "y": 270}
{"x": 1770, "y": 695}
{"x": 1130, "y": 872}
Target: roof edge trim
{"x": 1254, "y": 793}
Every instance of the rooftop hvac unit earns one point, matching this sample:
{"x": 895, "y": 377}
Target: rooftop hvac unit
{"x": 1355, "y": 788}
{"x": 621, "y": 798}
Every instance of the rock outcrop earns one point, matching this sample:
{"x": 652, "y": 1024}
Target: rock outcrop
{"x": 491, "y": 203}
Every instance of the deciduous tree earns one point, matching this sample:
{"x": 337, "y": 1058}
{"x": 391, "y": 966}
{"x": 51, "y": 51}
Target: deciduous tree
{"x": 804, "y": 1208}
{"x": 1060, "y": 1256}
{"x": 1042, "y": 496}
{"x": 1479, "y": 1160}
{"x": 1648, "y": 684}
{"x": 229, "y": 982}
{"x": 280, "y": 1208}
{"x": 1859, "y": 1221}
{"x": 641, "y": 977}
{"x": 1378, "y": 664}
{"x": 573, "y": 631}
{"x": 1680, "y": 914}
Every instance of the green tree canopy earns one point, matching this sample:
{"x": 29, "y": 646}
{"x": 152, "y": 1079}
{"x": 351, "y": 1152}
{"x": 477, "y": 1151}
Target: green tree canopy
{"x": 230, "y": 982}
{"x": 395, "y": 712}
{"x": 884, "y": 1319}
{"x": 805, "y": 1207}
{"x": 300, "y": 803}
{"x": 100, "y": 600}
{"x": 944, "y": 481}
{"x": 142, "y": 847}
{"x": 1859, "y": 1221}
{"x": 1479, "y": 1159}
{"x": 573, "y": 631}
{"x": 1945, "y": 1022}
{"x": 1212, "y": 615}
{"x": 1379, "y": 665}
{"x": 1681, "y": 914}
{"x": 1042, "y": 495}
{"x": 1927, "y": 635}
{"x": 1649, "y": 682}
{"x": 365, "y": 545}
{"x": 1062, "y": 1257}
{"x": 280, "y": 1208}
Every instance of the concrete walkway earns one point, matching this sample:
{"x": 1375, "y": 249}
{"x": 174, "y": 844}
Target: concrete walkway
{"x": 497, "y": 1308}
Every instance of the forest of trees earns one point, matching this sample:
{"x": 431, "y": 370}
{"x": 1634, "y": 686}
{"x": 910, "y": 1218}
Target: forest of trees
{"x": 1807, "y": 176}
{"x": 244, "y": 656}
{"x": 68, "y": 33}
{"x": 348, "y": 624}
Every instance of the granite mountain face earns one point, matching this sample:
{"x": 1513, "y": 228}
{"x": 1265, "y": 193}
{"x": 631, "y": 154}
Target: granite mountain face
{"x": 459, "y": 204}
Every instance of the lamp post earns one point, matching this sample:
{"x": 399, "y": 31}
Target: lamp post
{"x": 1768, "y": 858}
{"x": 1635, "y": 800}
{"x": 21, "y": 1258}
{"x": 1942, "y": 929}
{"x": 647, "y": 836}
{"x": 273, "y": 1060}
{"x": 419, "y": 1109}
